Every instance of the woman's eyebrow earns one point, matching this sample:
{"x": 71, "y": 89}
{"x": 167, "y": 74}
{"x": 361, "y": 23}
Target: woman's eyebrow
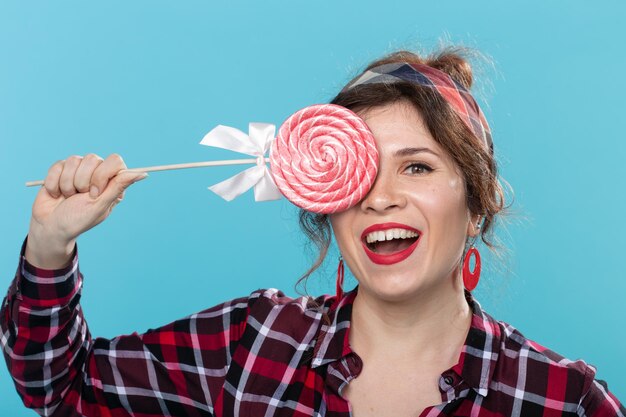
{"x": 412, "y": 151}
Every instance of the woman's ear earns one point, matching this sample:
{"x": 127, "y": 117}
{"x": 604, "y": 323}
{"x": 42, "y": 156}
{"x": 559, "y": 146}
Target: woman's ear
{"x": 474, "y": 225}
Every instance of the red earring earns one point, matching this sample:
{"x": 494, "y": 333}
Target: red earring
{"x": 470, "y": 279}
{"x": 340, "y": 279}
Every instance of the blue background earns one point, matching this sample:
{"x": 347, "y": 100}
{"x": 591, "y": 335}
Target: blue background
{"x": 147, "y": 79}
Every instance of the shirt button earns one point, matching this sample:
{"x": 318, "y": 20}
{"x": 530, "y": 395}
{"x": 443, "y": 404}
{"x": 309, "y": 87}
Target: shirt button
{"x": 448, "y": 380}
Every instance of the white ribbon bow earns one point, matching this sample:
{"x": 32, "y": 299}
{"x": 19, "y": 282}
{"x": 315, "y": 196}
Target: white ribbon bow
{"x": 257, "y": 143}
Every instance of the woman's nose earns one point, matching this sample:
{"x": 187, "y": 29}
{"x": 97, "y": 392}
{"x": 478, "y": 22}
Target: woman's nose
{"x": 385, "y": 195}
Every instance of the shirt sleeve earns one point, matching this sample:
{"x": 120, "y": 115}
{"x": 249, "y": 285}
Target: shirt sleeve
{"x": 59, "y": 370}
{"x": 597, "y": 401}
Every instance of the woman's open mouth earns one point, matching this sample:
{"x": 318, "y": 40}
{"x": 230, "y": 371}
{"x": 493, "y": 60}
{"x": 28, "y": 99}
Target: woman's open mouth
{"x": 389, "y": 243}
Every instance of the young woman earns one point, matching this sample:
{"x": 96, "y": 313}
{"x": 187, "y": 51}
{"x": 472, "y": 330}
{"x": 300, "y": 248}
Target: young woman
{"x": 410, "y": 340}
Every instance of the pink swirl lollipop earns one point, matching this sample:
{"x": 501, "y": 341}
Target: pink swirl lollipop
{"x": 324, "y": 158}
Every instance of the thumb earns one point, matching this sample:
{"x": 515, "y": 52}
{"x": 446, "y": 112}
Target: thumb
{"x": 114, "y": 191}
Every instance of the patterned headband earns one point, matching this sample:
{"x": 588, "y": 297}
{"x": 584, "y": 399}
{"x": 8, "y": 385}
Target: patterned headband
{"x": 454, "y": 93}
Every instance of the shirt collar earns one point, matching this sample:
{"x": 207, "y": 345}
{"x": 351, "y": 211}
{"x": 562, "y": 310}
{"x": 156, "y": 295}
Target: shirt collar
{"x": 333, "y": 342}
{"x": 481, "y": 349}
{"x": 476, "y": 363}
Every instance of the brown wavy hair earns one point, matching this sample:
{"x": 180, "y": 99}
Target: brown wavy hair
{"x": 484, "y": 193}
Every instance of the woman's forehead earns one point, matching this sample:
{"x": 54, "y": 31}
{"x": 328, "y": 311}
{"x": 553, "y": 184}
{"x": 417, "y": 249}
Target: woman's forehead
{"x": 399, "y": 126}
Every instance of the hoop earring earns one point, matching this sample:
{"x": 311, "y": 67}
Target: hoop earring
{"x": 470, "y": 279}
{"x": 340, "y": 279}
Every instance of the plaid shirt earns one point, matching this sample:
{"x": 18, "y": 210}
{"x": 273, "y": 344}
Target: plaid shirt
{"x": 261, "y": 355}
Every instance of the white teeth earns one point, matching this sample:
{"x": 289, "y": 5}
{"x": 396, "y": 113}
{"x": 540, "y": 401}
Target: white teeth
{"x": 389, "y": 234}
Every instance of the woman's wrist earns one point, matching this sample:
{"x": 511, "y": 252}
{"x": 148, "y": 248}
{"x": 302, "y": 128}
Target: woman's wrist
{"x": 48, "y": 251}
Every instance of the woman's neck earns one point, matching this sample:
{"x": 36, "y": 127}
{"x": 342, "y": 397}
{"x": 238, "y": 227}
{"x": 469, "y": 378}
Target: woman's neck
{"x": 433, "y": 325}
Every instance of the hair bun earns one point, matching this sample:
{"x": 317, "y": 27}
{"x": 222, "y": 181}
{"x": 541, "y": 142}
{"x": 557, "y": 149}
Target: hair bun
{"x": 455, "y": 65}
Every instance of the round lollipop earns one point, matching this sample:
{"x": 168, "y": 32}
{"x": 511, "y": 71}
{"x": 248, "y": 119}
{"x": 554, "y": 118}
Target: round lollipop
{"x": 324, "y": 158}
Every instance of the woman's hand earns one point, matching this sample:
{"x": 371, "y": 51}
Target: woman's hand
{"x": 78, "y": 193}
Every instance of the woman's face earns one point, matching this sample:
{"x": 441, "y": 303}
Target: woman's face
{"x": 408, "y": 234}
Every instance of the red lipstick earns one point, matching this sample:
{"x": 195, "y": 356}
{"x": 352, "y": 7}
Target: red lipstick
{"x": 389, "y": 258}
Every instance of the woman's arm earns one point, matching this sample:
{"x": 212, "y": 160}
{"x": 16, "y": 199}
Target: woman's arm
{"x": 178, "y": 369}
{"x": 44, "y": 336}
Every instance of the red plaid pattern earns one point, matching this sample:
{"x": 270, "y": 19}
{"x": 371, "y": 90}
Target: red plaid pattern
{"x": 261, "y": 355}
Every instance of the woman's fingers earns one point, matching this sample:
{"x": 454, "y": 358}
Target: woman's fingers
{"x": 114, "y": 191}
{"x": 108, "y": 169}
{"x": 108, "y": 183}
{"x": 66, "y": 181}
{"x": 84, "y": 173}
{"x": 78, "y": 174}
{"x": 51, "y": 183}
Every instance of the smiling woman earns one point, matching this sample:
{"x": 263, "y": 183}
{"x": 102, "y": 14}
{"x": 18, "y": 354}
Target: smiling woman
{"x": 409, "y": 340}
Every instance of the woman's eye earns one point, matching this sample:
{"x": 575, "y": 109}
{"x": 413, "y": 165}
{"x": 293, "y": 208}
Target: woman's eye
{"x": 418, "y": 168}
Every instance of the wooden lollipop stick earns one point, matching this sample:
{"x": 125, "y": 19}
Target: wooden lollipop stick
{"x": 176, "y": 166}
